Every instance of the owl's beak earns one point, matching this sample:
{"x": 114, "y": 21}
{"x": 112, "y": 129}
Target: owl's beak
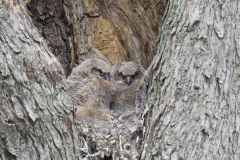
{"x": 128, "y": 80}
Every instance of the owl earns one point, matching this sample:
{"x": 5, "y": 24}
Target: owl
{"x": 90, "y": 89}
{"x": 126, "y": 77}
{"x": 104, "y": 97}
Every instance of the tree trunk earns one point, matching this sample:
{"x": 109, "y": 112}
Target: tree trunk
{"x": 36, "y": 119}
{"x": 192, "y": 99}
{"x": 193, "y": 94}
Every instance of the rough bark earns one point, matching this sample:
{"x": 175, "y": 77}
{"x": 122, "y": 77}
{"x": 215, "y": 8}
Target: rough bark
{"x": 124, "y": 30}
{"x": 79, "y": 29}
{"x": 50, "y": 19}
{"x": 36, "y": 119}
{"x": 193, "y": 94}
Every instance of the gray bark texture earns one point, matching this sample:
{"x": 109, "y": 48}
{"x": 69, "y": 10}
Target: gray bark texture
{"x": 36, "y": 119}
{"x": 192, "y": 101}
{"x": 193, "y": 95}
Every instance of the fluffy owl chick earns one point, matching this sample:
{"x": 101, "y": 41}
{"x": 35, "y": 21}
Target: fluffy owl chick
{"x": 90, "y": 89}
{"x": 127, "y": 77}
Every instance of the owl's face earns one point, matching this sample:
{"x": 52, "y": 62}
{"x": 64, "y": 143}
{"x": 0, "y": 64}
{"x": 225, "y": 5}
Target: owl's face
{"x": 128, "y": 79}
{"x": 128, "y": 73}
{"x": 127, "y": 76}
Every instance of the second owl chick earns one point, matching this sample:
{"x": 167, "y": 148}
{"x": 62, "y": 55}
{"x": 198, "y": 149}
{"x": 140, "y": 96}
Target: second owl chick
{"x": 126, "y": 78}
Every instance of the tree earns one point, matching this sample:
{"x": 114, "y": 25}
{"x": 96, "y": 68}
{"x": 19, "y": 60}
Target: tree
{"x": 193, "y": 94}
{"x": 36, "y": 119}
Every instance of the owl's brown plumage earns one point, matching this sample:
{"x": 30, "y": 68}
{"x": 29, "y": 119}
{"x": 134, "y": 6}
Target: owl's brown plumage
{"x": 105, "y": 98}
{"x": 89, "y": 87}
{"x": 127, "y": 77}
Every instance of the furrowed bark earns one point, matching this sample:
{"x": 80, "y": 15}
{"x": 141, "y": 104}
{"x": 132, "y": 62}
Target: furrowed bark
{"x": 36, "y": 118}
{"x": 193, "y": 91}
